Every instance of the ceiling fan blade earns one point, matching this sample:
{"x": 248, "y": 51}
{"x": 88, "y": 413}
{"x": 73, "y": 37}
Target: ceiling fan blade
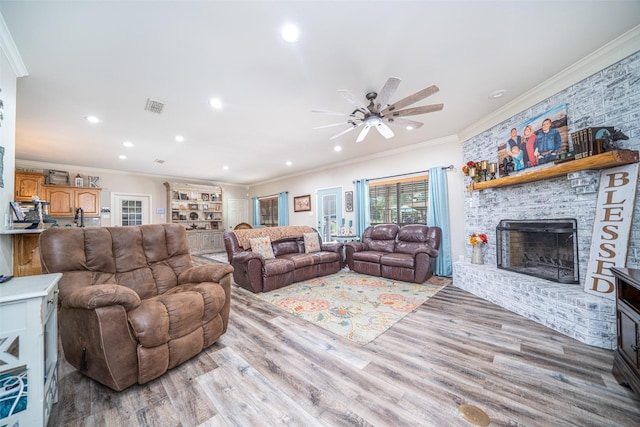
{"x": 384, "y": 130}
{"x": 398, "y": 121}
{"x": 363, "y": 133}
{"x": 345, "y": 131}
{"x": 331, "y": 125}
{"x": 415, "y": 111}
{"x": 353, "y": 100}
{"x": 386, "y": 93}
{"x": 332, "y": 113}
{"x": 411, "y": 99}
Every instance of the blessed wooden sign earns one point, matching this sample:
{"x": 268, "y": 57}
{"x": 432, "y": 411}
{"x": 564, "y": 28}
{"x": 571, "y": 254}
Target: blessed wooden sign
{"x": 611, "y": 228}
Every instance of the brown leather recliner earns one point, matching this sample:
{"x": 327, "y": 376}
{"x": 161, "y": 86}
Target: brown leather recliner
{"x": 132, "y": 304}
{"x": 396, "y": 253}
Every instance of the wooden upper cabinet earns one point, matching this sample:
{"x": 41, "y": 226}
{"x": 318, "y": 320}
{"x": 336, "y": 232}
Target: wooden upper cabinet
{"x": 28, "y": 184}
{"x": 65, "y": 200}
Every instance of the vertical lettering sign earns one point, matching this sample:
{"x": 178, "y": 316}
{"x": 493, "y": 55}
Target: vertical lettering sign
{"x": 611, "y": 228}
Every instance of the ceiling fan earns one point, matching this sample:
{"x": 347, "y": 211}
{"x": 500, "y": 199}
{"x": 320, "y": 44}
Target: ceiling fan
{"x": 379, "y": 113}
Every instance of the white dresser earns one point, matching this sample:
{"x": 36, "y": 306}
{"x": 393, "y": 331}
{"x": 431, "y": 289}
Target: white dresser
{"x": 28, "y": 349}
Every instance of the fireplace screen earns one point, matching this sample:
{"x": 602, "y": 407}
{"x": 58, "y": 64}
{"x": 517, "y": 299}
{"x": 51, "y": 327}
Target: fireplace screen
{"x": 546, "y": 248}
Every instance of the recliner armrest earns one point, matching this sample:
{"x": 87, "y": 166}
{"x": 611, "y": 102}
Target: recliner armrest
{"x": 205, "y": 273}
{"x": 356, "y": 246}
{"x": 91, "y": 297}
{"x": 428, "y": 250}
{"x": 332, "y": 247}
{"x": 244, "y": 257}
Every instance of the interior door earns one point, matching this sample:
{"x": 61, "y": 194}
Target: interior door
{"x": 130, "y": 209}
{"x": 329, "y": 212}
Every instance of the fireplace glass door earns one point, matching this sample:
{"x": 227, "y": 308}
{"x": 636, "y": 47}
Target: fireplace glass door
{"x": 542, "y": 248}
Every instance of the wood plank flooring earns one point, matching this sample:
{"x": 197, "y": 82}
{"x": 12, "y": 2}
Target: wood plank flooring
{"x": 272, "y": 368}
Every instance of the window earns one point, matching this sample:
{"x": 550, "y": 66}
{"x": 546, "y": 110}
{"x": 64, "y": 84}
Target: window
{"x": 131, "y": 211}
{"x": 402, "y": 201}
{"x": 269, "y": 211}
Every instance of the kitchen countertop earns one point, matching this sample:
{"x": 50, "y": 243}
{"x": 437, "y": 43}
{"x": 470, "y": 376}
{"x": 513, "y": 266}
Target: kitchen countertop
{"x": 22, "y": 231}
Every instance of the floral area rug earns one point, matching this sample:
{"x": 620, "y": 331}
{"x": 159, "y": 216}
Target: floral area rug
{"x": 352, "y": 305}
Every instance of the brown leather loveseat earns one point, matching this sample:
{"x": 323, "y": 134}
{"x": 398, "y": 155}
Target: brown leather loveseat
{"x": 132, "y": 304}
{"x": 396, "y": 253}
{"x": 291, "y": 261}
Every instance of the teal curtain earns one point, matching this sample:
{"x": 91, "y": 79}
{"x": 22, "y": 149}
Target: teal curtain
{"x": 256, "y": 212}
{"x": 283, "y": 208}
{"x": 438, "y": 215}
{"x": 361, "y": 201}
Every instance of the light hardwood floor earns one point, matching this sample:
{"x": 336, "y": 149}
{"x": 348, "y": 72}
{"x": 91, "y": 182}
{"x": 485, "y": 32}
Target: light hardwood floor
{"x": 272, "y": 368}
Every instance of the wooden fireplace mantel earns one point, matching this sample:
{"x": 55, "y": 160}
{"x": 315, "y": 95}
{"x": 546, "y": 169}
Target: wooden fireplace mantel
{"x": 599, "y": 161}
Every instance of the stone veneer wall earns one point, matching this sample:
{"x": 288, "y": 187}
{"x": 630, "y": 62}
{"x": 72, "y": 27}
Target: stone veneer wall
{"x": 610, "y": 97}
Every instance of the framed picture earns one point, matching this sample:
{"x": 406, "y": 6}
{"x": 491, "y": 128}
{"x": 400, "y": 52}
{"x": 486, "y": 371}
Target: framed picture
{"x": 193, "y": 206}
{"x": 302, "y": 203}
{"x": 175, "y": 215}
{"x": 348, "y": 201}
{"x": 205, "y": 197}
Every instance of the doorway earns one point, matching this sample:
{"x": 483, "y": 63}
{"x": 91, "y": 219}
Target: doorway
{"x": 329, "y": 212}
{"x": 130, "y": 209}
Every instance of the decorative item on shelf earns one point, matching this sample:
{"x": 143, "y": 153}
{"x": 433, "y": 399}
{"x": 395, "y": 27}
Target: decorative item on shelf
{"x": 610, "y": 142}
{"x": 79, "y": 182}
{"x": 350, "y": 229}
{"x": 343, "y": 229}
{"x": 472, "y": 170}
{"x": 507, "y": 166}
{"x": 484, "y": 168}
{"x": 478, "y": 241}
{"x": 493, "y": 169}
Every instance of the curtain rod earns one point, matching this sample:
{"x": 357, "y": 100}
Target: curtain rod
{"x": 448, "y": 168}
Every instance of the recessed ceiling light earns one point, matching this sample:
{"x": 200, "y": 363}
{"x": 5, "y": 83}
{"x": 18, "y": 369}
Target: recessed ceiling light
{"x": 288, "y": 163}
{"x": 337, "y": 148}
{"x": 290, "y": 33}
{"x": 225, "y": 168}
{"x": 128, "y": 144}
{"x": 122, "y": 157}
{"x": 179, "y": 138}
{"x": 92, "y": 119}
{"x": 497, "y": 93}
{"x": 215, "y": 103}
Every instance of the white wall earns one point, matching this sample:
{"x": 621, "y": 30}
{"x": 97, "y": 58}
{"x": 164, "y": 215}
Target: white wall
{"x": 416, "y": 158}
{"x": 9, "y": 63}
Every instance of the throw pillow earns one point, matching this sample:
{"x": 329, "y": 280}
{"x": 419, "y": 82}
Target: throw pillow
{"x": 311, "y": 242}
{"x": 262, "y": 245}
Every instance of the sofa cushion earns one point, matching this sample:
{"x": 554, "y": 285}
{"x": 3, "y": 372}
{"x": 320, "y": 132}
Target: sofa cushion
{"x": 382, "y": 238}
{"x": 277, "y": 266}
{"x": 311, "y": 242}
{"x": 398, "y": 260}
{"x": 262, "y": 246}
{"x": 368, "y": 256}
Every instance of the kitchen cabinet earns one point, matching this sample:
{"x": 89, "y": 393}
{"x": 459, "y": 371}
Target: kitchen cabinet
{"x": 65, "y": 200}
{"x": 28, "y": 184}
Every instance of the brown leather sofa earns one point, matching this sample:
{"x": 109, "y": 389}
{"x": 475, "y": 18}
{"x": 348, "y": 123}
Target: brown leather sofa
{"x": 291, "y": 264}
{"x": 396, "y": 253}
{"x": 132, "y": 304}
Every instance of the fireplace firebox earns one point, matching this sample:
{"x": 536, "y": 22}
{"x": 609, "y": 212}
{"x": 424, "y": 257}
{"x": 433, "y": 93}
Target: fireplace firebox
{"x": 547, "y": 249}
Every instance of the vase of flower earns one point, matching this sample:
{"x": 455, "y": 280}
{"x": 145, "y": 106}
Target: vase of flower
{"x": 476, "y": 255}
{"x": 478, "y": 240}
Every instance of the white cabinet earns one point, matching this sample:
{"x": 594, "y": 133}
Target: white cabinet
{"x": 28, "y": 349}
{"x": 199, "y": 209}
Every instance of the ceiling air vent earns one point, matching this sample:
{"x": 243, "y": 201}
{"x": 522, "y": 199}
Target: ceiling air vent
{"x": 154, "y": 106}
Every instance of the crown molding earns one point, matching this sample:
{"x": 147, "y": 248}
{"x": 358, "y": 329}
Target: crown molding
{"x": 11, "y": 51}
{"x": 614, "y": 51}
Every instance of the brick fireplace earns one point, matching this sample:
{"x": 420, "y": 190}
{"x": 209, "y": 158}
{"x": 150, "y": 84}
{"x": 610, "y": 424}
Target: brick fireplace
{"x": 564, "y": 307}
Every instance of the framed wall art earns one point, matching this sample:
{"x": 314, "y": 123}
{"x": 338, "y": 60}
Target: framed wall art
{"x": 348, "y": 201}
{"x": 302, "y": 203}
